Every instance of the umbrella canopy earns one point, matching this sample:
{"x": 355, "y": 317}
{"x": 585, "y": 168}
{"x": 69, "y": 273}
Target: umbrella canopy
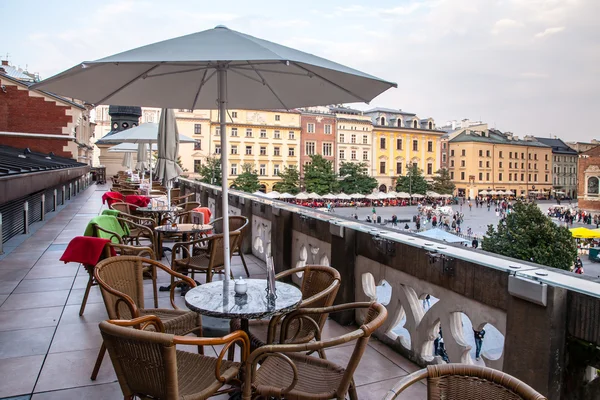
{"x": 302, "y": 196}
{"x": 167, "y": 168}
{"x": 314, "y": 196}
{"x": 239, "y": 70}
{"x": 273, "y": 195}
{"x": 330, "y": 196}
{"x": 143, "y": 133}
{"x": 259, "y": 194}
{"x": 584, "y": 233}
{"x": 127, "y": 148}
{"x": 510, "y": 192}
{"x": 142, "y": 157}
{"x": 286, "y": 196}
{"x": 382, "y": 196}
{"x": 403, "y": 195}
{"x": 417, "y": 196}
{"x": 393, "y": 194}
{"x": 343, "y": 196}
{"x": 372, "y": 196}
{"x": 432, "y": 194}
{"x": 127, "y": 160}
{"x": 357, "y": 196}
{"x": 484, "y": 192}
{"x": 440, "y": 234}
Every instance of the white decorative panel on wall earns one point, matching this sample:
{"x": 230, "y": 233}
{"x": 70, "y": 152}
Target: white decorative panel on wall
{"x": 261, "y": 237}
{"x": 211, "y": 206}
{"x": 234, "y": 211}
{"x": 308, "y": 250}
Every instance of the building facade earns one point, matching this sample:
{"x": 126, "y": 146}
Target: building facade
{"x": 588, "y": 190}
{"x": 318, "y": 136}
{"x": 451, "y": 134}
{"x": 564, "y": 167}
{"x": 582, "y": 147}
{"x": 401, "y": 139}
{"x": 43, "y": 122}
{"x": 354, "y": 137}
{"x": 492, "y": 160}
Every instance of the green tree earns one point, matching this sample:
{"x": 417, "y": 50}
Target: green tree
{"x": 412, "y": 182}
{"x": 247, "y": 181}
{"x": 319, "y": 176}
{"x": 527, "y": 234}
{"x": 210, "y": 172}
{"x": 442, "y": 183}
{"x": 290, "y": 179}
{"x": 356, "y": 178}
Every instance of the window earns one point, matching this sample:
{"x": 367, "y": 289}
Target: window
{"x": 234, "y": 132}
{"x": 500, "y": 176}
{"x": 197, "y": 165}
{"x": 430, "y": 125}
{"x": 365, "y": 139}
{"x": 291, "y": 135}
{"x": 197, "y": 145}
{"x": 528, "y": 165}
{"x": 262, "y": 169}
{"x": 546, "y": 157}
{"x": 487, "y": 164}
{"x": 415, "y": 126}
{"x": 291, "y": 151}
{"x": 546, "y": 178}
{"x": 487, "y": 153}
{"x": 263, "y": 150}
{"x": 444, "y": 145}
{"x": 382, "y": 121}
{"x": 500, "y": 154}
{"x": 249, "y": 132}
{"x": 522, "y": 165}
{"x": 510, "y": 155}
{"x": 233, "y": 169}
{"x": 535, "y": 177}
{"x": 327, "y": 149}
{"x": 529, "y": 156}
{"x": 430, "y": 146}
{"x": 249, "y": 150}
{"x": 481, "y": 176}
{"x": 535, "y": 167}
{"x": 463, "y": 152}
{"x": 462, "y": 163}
{"x": 276, "y": 135}
{"x": 529, "y": 177}
{"x": 327, "y": 129}
{"x": 234, "y": 114}
{"x": 451, "y": 153}
{"x": 353, "y": 155}
{"x": 462, "y": 176}
{"x": 233, "y": 149}
{"x": 487, "y": 176}
{"x": 480, "y": 164}
{"x": 452, "y": 163}
{"x": 263, "y": 133}
{"x": 443, "y": 157}
{"x": 398, "y": 144}
{"x": 310, "y": 128}
{"x": 509, "y": 177}
{"x": 500, "y": 164}
{"x": 522, "y": 156}
{"x": 365, "y": 155}
{"x": 398, "y": 168}
{"x": 429, "y": 168}
{"x": 342, "y": 138}
{"x": 382, "y": 143}
{"x": 353, "y": 138}
{"x": 342, "y": 154}
{"x": 309, "y": 148}
{"x": 277, "y": 117}
{"x": 415, "y": 145}
{"x": 197, "y": 129}
{"x": 480, "y": 153}
{"x": 535, "y": 156}
{"x": 522, "y": 177}
{"x": 218, "y": 149}
{"x": 217, "y": 131}
{"x": 275, "y": 169}
{"x": 452, "y": 175}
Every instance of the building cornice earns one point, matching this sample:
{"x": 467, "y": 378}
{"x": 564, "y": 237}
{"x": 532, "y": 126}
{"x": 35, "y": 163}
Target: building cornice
{"x": 242, "y": 125}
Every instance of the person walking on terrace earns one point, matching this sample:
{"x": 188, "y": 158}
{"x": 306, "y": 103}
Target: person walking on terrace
{"x": 478, "y": 335}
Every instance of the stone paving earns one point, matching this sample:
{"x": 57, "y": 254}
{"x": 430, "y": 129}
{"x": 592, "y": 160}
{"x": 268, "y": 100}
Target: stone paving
{"x": 47, "y": 351}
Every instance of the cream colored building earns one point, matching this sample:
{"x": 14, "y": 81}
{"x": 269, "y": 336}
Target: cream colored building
{"x": 492, "y": 160}
{"x": 354, "y": 137}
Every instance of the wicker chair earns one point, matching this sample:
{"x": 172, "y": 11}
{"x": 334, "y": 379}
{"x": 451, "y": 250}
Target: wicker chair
{"x": 205, "y": 255}
{"x": 320, "y": 285}
{"x": 149, "y": 366}
{"x": 139, "y": 235}
{"x": 285, "y": 372}
{"x": 462, "y": 381}
{"x": 182, "y": 199}
{"x": 236, "y": 223}
{"x": 123, "y": 207}
{"x": 121, "y": 283}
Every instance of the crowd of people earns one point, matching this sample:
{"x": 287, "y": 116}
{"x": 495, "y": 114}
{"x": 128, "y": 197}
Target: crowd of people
{"x": 330, "y": 204}
{"x": 570, "y": 215}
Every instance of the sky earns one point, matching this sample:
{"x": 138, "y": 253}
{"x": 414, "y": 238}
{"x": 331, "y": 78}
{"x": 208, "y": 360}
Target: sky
{"x": 531, "y": 67}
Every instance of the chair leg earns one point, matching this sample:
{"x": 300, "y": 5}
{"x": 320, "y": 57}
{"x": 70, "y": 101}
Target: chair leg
{"x": 98, "y": 362}
{"x": 87, "y": 292}
{"x": 154, "y": 287}
{"x": 352, "y": 391}
{"x": 244, "y": 262}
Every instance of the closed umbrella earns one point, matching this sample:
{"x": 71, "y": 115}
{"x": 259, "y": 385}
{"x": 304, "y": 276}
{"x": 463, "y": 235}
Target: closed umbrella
{"x": 167, "y": 168}
{"x": 127, "y": 160}
{"x": 142, "y": 157}
{"x": 239, "y": 70}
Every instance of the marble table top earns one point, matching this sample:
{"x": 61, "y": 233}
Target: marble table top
{"x": 158, "y": 209}
{"x": 218, "y": 299}
{"x": 184, "y": 228}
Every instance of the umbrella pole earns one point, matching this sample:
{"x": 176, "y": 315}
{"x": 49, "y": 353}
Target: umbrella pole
{"x": 150, "y": 165}
{"x": 222, "y": 100}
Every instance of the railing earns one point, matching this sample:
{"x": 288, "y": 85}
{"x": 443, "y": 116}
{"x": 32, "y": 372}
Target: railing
{"x": 537, "y": 319}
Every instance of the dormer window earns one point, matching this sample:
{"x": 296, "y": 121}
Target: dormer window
{"x": 415, "y": 124}
{"x": 382, "y": 121}
{"x": 430, "y": 125}
{"x": 399, "y": 123}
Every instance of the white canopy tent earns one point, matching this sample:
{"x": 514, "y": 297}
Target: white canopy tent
{"x": 314, "y": 196}
{"x": 302, "y": 196}
{"x": 343, "y": 196}
{"x": 357, "y": 196}
{"x": 273, "y": 195}
{"x": 287, "y": 196}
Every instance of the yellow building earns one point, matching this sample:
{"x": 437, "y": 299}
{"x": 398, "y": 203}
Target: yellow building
{"x": 401, "y": 139}
{"x": 354, "y": 137}
{"x": 492, "y": 160}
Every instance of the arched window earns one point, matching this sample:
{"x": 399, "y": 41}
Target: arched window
{"x": 399, "y": 123}
{"x": 382, "y": 121}
{"x": 430, "y": 125}
{"x": 263, "y": 188}
{"x": 414, "y": 123}
{"x": 592, "y": 185}
{"x": 382, "y": 189}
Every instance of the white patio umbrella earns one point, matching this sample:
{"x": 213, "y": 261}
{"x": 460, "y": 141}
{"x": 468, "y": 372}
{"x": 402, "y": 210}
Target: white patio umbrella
{"x": 357, "y": 196}
{"x": 257, "y": 193}
{"x": 239, "y": 70}
{"x": 484, "y": 192}
{"x": 314, "y": 196}
{"x": 330, "y": 196}
{"x": 167, "y": 168}
{"x": 393, "y": 194}
{"x": 432, "y": 194}
{"x": 510, "y": 193}
{"x": 127, "y": 148}
{"x": 372, "y": 196}
{"x": 127, "y": 160}
{"x": 142, "y": 157}
{"x": 273, "y": 195}
{"x": 382, "y": 196}
{"x": 287, "y": 196}
{"x": 417, "y": 196}
{"x": 403, "y": 195}
{"x": 302, "y": 196}
{"x": 343, "y": 196}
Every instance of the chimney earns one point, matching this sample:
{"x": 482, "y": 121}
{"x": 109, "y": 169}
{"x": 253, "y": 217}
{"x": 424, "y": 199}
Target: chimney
{"x": 5, "y": 62}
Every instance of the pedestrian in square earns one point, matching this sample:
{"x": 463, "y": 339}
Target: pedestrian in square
{"x": 478, "y": 335}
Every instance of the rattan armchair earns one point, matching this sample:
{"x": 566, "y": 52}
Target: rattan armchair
{"x": 123, "y": 207}
{"x": 139, "y": 235}
{"x": 462, "y": 381}
{"x": 286, "y": 372}
{"x": 205, "y": 255}
{"x": 182, "y": 199}
{"x": 236, "y": 223}
{"x": 121, "y": 284}
{"x": 320, "y": 284}
{"x": 149, "y": 366}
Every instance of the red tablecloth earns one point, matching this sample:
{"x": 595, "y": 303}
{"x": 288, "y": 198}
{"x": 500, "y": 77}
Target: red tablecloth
{"x": 111, "y": 197}
{"x": 140, "y": 201}
{"x": 85, "y": 250}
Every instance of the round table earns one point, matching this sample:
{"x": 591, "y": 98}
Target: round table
{"x": 158, "y": 211}
{"x": 184, "y": 229}
{"x": 218, "y": 299}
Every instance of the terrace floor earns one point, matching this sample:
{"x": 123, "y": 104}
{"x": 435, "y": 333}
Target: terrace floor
{"x": 47, "y": 351}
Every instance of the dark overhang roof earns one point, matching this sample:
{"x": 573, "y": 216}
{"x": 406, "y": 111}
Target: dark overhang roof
{"x": 15, "y": 161}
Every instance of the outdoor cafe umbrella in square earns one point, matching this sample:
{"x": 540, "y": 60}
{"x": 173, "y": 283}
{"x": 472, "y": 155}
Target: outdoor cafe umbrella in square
{"x": 167, "y": 168}
{"x": 217, "y": 67}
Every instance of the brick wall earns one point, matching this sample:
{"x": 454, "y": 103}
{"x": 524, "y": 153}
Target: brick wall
{"x": 319, "y": 136}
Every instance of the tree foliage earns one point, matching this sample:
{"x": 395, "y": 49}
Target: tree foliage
{"x": 412, "y": 182}
{"x": 247, "y": 181}
{"x": 356, "y": 178}
{"x": 527, "y": 234}
{"x": 290, "y": 179}
{"x": 210, "y": 172}
{"x": 319, "y": 176}
{"x": 442, "y": 183}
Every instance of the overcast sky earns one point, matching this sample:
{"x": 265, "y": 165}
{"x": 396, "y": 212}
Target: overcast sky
{"x": 526, "y": 66}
